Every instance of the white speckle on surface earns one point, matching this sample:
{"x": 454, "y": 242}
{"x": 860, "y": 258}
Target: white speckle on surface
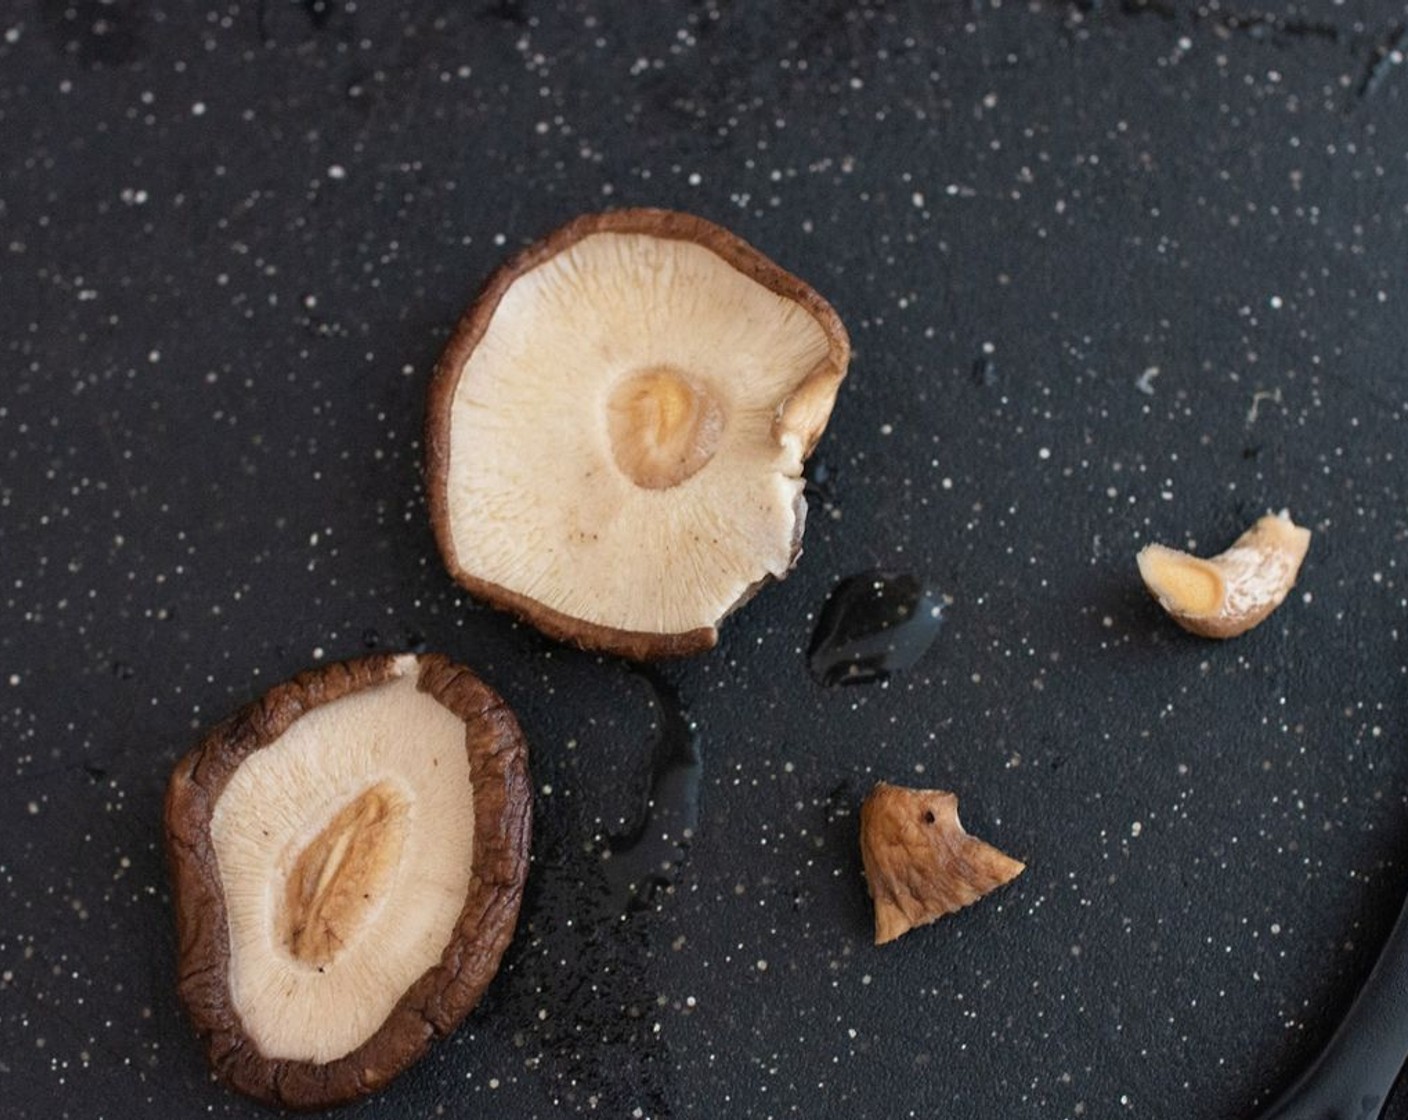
{"x": 1272, "y": 395}
{"x": 337, "y": 171}
{"x": 1145, "y": 381}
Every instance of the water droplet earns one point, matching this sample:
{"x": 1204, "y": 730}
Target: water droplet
{"x": 874, "y": 624}
{"x": 592, "y": 959}
{"x": 984, "y": 372}
{"x": 648, "y": 855}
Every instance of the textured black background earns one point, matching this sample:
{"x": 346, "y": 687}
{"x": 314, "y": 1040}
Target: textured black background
{"x": 232, "y": 240}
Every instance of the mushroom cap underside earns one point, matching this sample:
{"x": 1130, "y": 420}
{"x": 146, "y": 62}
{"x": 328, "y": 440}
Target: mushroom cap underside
{"x": 616, "y": 431}
{"x": 348, "y": 856}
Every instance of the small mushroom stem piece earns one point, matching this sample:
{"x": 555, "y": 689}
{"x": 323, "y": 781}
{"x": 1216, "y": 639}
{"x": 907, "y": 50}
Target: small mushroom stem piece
{"x": 919, "y": 862}
{"x": 1228, "y": 594}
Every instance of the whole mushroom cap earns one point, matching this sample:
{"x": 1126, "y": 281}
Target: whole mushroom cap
{"x": 348, "y": 856}
{"x": 616, "y": 430}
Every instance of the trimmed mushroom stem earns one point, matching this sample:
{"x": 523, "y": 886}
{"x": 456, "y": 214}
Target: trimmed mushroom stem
{"x": 1228, "y": 594}
{"x": 920, "y": 864}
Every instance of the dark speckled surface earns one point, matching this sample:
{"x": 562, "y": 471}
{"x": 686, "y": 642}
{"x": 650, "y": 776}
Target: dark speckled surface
{"x": 1115, "y": 272}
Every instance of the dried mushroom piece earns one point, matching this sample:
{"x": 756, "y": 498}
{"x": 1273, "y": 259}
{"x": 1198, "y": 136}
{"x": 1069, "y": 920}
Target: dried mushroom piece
{"x": 348, "y": 856}
{"x": 616, "y": 431}
{"x": 919, "y": 862}
{"x": 1230, "y": 593}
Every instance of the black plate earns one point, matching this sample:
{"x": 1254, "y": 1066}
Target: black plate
{"x": 1114, "y": 273}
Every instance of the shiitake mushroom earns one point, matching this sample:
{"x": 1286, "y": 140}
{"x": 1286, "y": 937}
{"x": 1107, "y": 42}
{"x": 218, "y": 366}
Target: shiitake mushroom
{"x": 616, "y": 430}
{"x": 348, "y": 856}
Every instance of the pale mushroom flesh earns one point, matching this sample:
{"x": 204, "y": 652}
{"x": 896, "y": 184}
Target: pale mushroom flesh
{"x": 344, "y": 870}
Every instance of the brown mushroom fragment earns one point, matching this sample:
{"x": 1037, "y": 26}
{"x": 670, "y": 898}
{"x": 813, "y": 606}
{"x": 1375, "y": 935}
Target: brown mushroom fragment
{"x": 348, "y": 856}
{"x": 919, "y": 862}
{"x": 616, "y": 431}
{"x": 1232, "y": 592}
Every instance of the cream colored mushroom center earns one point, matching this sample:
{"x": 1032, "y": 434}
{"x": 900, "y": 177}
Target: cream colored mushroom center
{"x": 664, "y": 427}
{"x": 338, "y": 879}
{"x": 1185, "y": 583}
